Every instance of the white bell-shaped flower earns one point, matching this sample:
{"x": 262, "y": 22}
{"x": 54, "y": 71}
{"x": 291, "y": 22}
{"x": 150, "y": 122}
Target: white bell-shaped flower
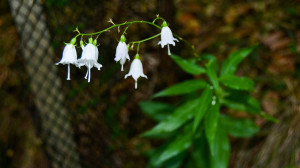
{"x": 122, "y": 52}
{"x": 69, "y": 56}
{"x": 89, "y": 58}
{"x": 136, "y": 70}
{"x": 166, "y": 37}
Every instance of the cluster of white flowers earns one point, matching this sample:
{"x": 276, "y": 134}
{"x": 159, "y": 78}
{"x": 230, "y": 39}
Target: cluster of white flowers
{"x": 89, "y": 56}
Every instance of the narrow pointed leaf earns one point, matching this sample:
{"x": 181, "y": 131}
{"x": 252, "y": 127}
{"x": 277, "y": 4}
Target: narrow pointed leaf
{"x": 154, "y": 154}
{"x": 176, "y": 161}
{"x": 205, "y": 101}
{"x": 221, "y": 152}
{"x": 188, "y": 66}
{"x": 156, "y": 110}
{"x": 229, "y": 66}
{"x": 238, "y": 127}
{"x": 207, "y": 56}
{"x": 211, "y": 123}
{"x": 268, "y": 117}
{"x": 211, "y": 70}
{"x": 181, "y": 115}
{"x": 200, "y": 157}
{"x": 239, "y": 83}
{"x": 182, "y": 88}
{"x": 173, "y": 162}
{"x": 243, "y": 101}
{"x": 177, "y": 146}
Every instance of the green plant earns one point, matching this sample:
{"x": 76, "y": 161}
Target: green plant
{"x": 195, "y": 132}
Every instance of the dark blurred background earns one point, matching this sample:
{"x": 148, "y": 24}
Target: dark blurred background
{"x": 105, "y": 116}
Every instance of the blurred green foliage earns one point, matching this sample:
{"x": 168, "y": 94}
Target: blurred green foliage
{"x": 200, "y": 117}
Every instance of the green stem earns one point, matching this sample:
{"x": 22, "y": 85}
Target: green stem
{"x": 140, "y": 21}
{"x": 138, "y": 48}
{"x": 140, "y": 41}
{"x": 117, "y": 25}
{"x": 158, "y": 19}
{"x": 189, "y": 45}
{"x": 125, "y": 30}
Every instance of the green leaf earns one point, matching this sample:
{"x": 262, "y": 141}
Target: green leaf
{"x": 239, "y": 83}
{"x": 181, "y": 115}
{"x": 229, "y": 66}
{"x": 156, "y": 110}
{"x": 221, "y": 153}
{"x": 187, "y": 86}
{"x": 243, "y": 101}
{"x": 207, "y": 56}
{"x": 188, "y": 66}
{"x": 200, "y": 157}
{"x": 238, "y": 127}
{"x": 174, "y": 162}
{"x": 212, "y": 65}
{"x": 154, "y": 154}
{"x": 268, "y": 117}
{"x": 180, "y": 144}
{"x": 211, "y": 70}
{"x": 211, "y": 123}
{"x": 205, "y": 101}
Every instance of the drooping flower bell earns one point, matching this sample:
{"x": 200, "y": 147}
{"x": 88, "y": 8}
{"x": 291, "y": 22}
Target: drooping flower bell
{"x": 166, "y": 37}
{"x": 89, "y": 58}
{"x": 136, "y": 70}
{"x": 122, "y": 52}
{"x": 69, "y": 56}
